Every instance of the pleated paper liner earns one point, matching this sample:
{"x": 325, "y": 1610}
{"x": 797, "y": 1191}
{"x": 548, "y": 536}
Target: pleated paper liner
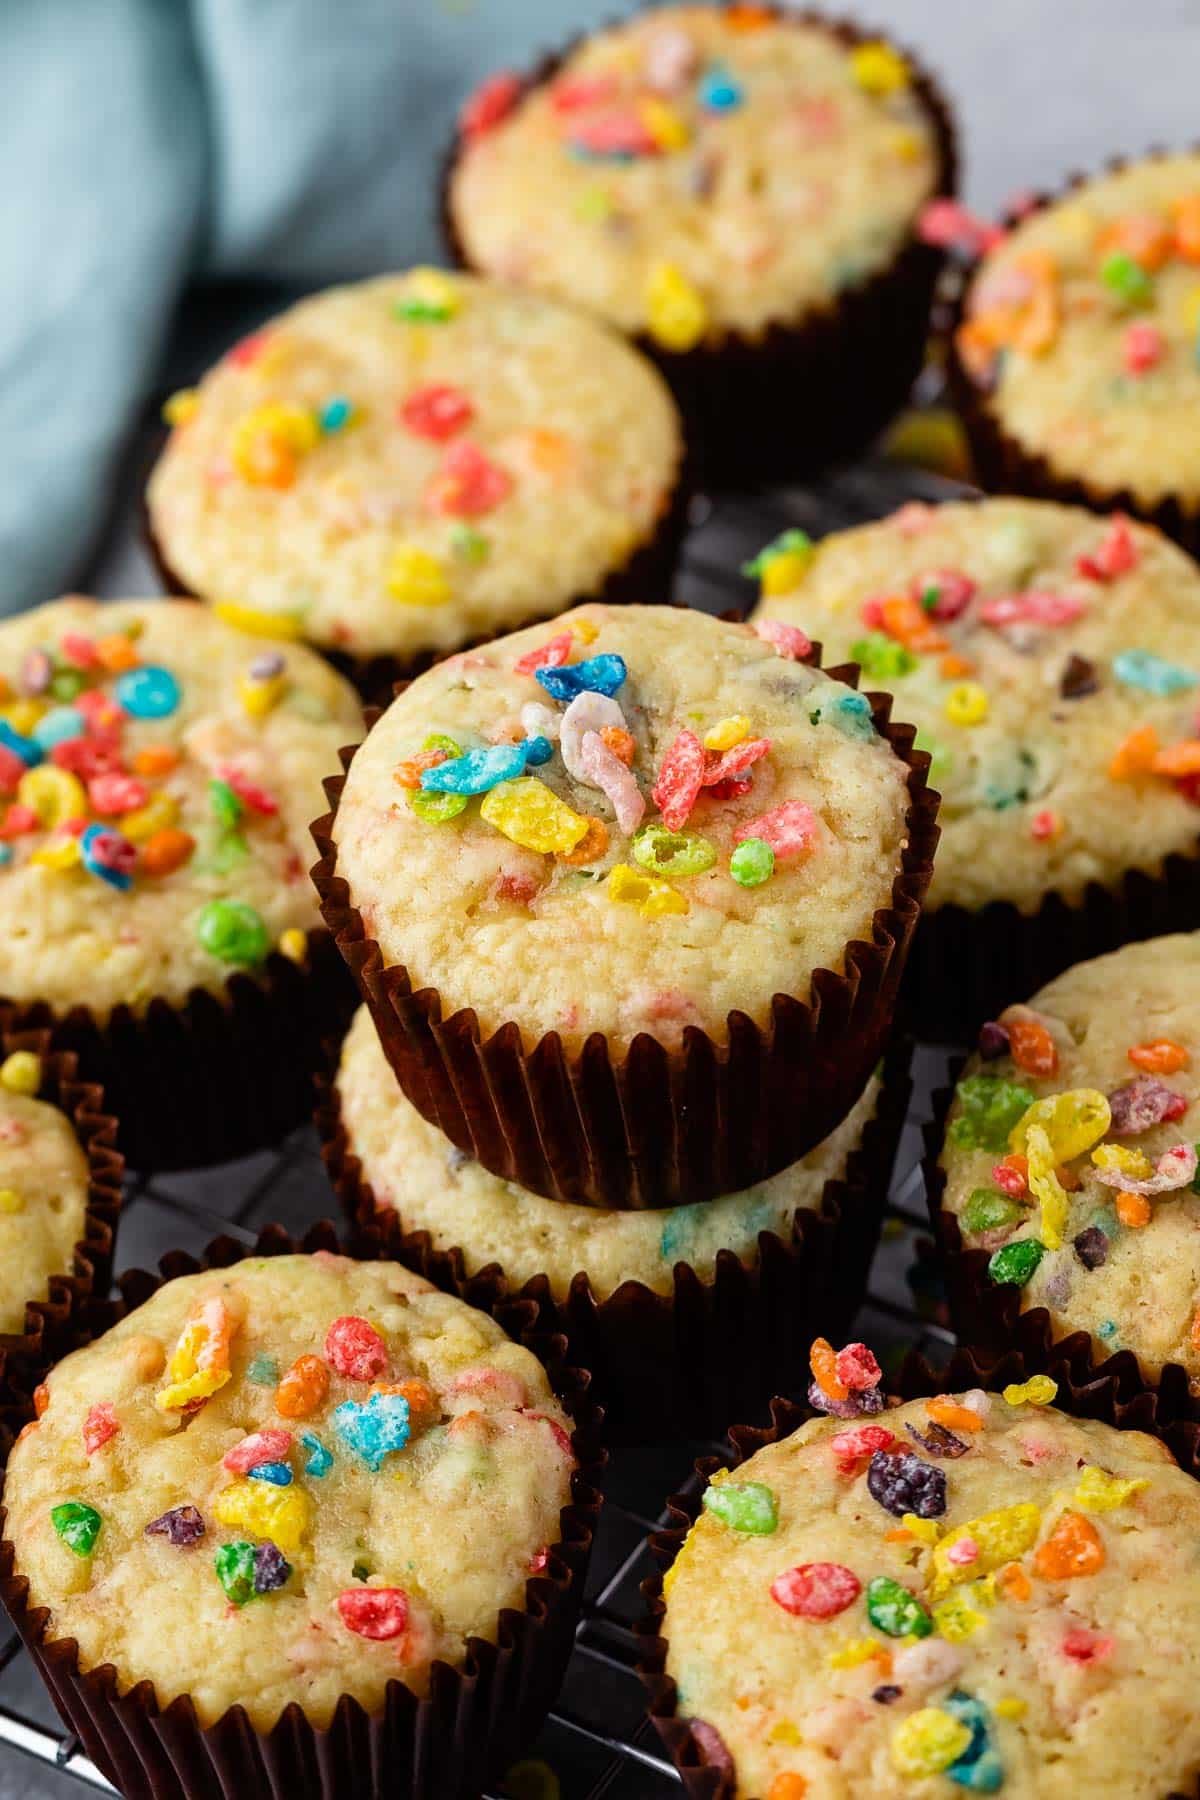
{"x": 1002, "y": 463}
{"x": 682, "y": 1364}
{"x": 220, "y": 1076}
{"x": 56, "y": 1323}
{"x": 703, "y": 1763}
{"x": 650, "y": 1127}
{"x": 648, "y": 574}
{"x": 814, "y": 391}
{"x": 475, "y": 1718}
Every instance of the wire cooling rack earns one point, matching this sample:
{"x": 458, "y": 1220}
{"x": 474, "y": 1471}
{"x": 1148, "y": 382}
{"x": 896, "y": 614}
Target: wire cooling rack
{"x": 596, "y": 1741}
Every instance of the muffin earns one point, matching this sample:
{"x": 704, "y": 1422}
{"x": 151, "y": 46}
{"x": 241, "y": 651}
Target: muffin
{"x": 159, "y": 770}
{"x": 685, "y": 1318}
{"x": 1048, "y": 659}
{"x": 398, "y": 468}
{"x": 346, "y": 1490}
{"x": 737, "y": 188}
{"x": 685, "y": 892}
{"x": 971, "y": 1591}
{"x": 1074, "y": 353}
{"x": 60, "y": 1195}
{"x": 1066, "y": 1182}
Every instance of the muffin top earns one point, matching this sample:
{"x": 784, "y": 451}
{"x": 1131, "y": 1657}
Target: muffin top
{"x": 44, "y": 1183}
{"x": 160, "y": 771}
{"x": 293, "y": 1479}
{"x": 971, "y": 1592}
{"x": 1100, "y": 1221}
{"x": 674, "y": 820}
{"x": 439, "y": 1189}
{"x": 1050, "y": 660}
{"x": 1080, "y": 327}
{"x": 697, "y": 171}
{"x": 413, "y": 462}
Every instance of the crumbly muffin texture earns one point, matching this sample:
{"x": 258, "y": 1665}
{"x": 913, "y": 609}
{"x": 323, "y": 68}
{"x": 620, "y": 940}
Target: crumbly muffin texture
{"x": 697, "y": 171}
{"x": 1097, "y": 1219}
{"x": 968, "y": 1593}
{"x": 159, "y": 772}
{"x": 293, "y": 1479}
{"x": 43, "y": 1199}
{"x": 1050, "y": 660}
{"x": 437, "y": 1188}
{"x": 602, "y": 882}
{"x": 413, "y": 462}
{"x": 1080, "y": 331}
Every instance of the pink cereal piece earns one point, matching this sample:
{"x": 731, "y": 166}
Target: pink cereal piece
{"x": 817, "y": 1590}
{"x": 355, "y": 1349}
{"x": 790, "y": 829}
{"x": 1115, "y": 554}
{"x": 852, "y": 1448}
{"x": 114, "y": 794}
{"x": 1009, "y": 1181}
{"x": 468, "y": 483}
{"x": 271, "y": 1445}
{"x": 871, "y": 612}
{"x": 573, "y": 93}
{"x": 1143, "y": 347}
{"x": 561, "y": 1438}
{"x": 605, "y": 770}
{"x": 80, "y": 650}
{"x": 786, "y": 640}
{"x": 680, "y": 778}
{"x": 1143, "y": 1103}
{"x": 963, "y": 1553}
{"x": 255, "y": 797}
{"x": 99, "y": 1426}
{"x": 11, "y": 769}
{"x": 491, "y": 103}
{"x": 539, "y": 1560}
{"x": 1033, "y": 608}
{"x": 1175, "y": 1168}
{"x": 857, "y": 1368}
{"x": 950, "y": 226}
{"x": 248, "y": 349}
{"x": 732, "y": 763}
{"x": 914, "y": 518}
{"x": 617, "y": 132}
{"x": 550, "y": 655}
{"x": 515, "y": 887}
{"x": 955, "y": 591}
{"x": 1045, "y": 824}
{"x": 1081, "y": 1645}
{"x": 730, "y": 790}
{"x": 500, "y": 1385}
{"x": 18, "y": 821}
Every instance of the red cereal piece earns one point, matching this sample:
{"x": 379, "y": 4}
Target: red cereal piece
{"x": 853, "y": 1448}
{"x": 732, "y": 763}
{"x": 950, "y": 226}
{"x": 79, "y": 650}
{"x": 790, "y": 829}
{"x": 99, "y": 1426}
{"x": 818, "y": 1590}
{"x": 248, "y": 349}
{"x": 539, "y": 1561}
{"x": 87, "y": 757}
{"x": 550, "y": 655}
{"x": 249, "y": 793}
{"x": 680, "y": 778}
{"x": 1012, "y": 1176}
{"x": 355, "y": 1349}
{"x": 614, "y": 133}
{"x": 954, "y": 591}
{"x": 18, "y": 820}
{"x": 271, "y": 1445}
{"x": 11, "y": 769}
{"x": 575, "y": 92}
{"x": 786, "y": 640}
{"x": 857, "y": 1368}
{"x": 559, "y": 1435}
{"x": 436, "y": 411}
{"x": 1084, "y": 1646}
{"x": 730, "y": 790}
{"x": 491, "y": 103}
{"x": 114, "y": 794}
{"x": 379, "y": 1613}
{"x": 1143, "y": 348}
{"x": 468, "y": 484}
{"x": 105, "y": 718}
{"x": 1115, "y": 554}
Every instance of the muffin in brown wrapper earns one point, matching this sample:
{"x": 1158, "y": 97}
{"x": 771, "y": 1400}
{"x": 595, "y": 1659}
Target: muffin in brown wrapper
{"x": 682, "y": 1364}
{"x": 471, "y": 1724}
{"x": 58, "y": 1323}
{"x": 704, "y": 1767}
{"x": 653, "y": 1127}
{"x": 1003, "y": 465}
{"x": 851, "y": 365}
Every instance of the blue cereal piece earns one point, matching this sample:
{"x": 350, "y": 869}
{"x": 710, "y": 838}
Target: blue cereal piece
{"x": 263, "y": 1371}
{"x": 979, "y": 1767}
{"x": 719, "y": 92}
{"x": 538, "y": 750}
{"x": 335, "y": 415}
{"x": 320, "y": 1460}
{"x": 277, "y": 1473}
{"x": 27, "y": 748}
{"x": 849, "y": 712}
{"x": 148, "y": 693}
{"x": 476, "y": 771}
{"x": 373, "y": 1428}
{"x": 597, "y": 675}
{"x": 1142, "y": 669}
{"x": 107, "y": 854}
{"x": 60, "y": 725}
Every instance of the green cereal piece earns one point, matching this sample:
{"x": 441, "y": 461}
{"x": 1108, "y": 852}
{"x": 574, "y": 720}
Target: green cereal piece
{"x": 747, "y": 1506}
{"x": 893, "y": 1609}
{"x": 990, "y": 1210}
{"x": 434, "y": 807}
{"x": 77, "y": 1524}
{"x": 991, "y": 1107}
{"x": 881, "y": 657}
{"x": 1014, "y": 1265}
{"x": 752, "y": 862}
{"x": 234, "y": 1564}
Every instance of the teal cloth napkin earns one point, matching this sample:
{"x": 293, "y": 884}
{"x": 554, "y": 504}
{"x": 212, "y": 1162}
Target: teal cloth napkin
{"x": 145, "y": 142}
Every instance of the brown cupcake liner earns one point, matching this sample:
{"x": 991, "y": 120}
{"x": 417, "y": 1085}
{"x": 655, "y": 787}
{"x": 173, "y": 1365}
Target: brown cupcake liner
{"x": 57, "y": 1323}
{"x": 682, "y": 1364}
{"x": 846, "y": 368}
{"x": 704, "y": 1766}
{"x": 475, "y": 1719}
{"x": 1002, "y": 464}
{"x": 220, "y": 1076}
{"x": 654, "y": 1127}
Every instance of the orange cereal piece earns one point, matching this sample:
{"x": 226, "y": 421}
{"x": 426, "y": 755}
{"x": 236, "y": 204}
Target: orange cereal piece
{"x": 165, "y": 851}
{"x": 41, "y": 1398}
{"x": 302, "y": 1388}
{"x": 408, "y": 773}
{"x": 1031, "y": 1047}
{"x": 952, "y": 1417}
{"x": 1135, "y": 754}
{"x": 1178, "y": 759}
{"x": 1195, "y": 1331}
{"x": 1186, "y": 216}
{"x": 1014, "y": 1583}
{"x": 1018, "y": 1164}
{"x": 788, "y": 1786}
{"x": 953, "y": 667}
{"x": 823, "y": 1363}
{"x": 1147, "y": 239}
{"x": 1133, "y": 1210}
{"x": 906, "y": 620}
{"x": 1068, "y": 1179}
{"x": 591, "y": 846}
{"x": 1073, "y": 1548}
{"x": 550, "y": 452}
{"x": 117, "y": 653}
{"x": 424, "y": 1408}
{"x": 746, "y": 17}
{"x": 1162, "y": 1056}
{"x": 155, "y": 759}
{"x": 620, "y": 742}
{"x": 898, "y": 1534}
{"x": 26, "y": 1430}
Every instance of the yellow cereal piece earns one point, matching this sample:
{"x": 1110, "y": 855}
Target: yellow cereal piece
{"x": 854, "y": 1652}
{"x": 54, "y": 794}
{"x": 181, "y": 406}
{"x": 529, "y": 813}
{"x": 160, "y": 813}
{"x": 259, "y": 698}
{"x": 21, "y": 1073}
{"x": 878, "y": 68}
{"x": 199, "y": 1363}
{"x": 201, "y": 1385}
{"x": 931, "y": 439}
{"x": 907, "y": 145}
{"x": 667, "y": 127}
{"x": 58, "y": 853}
{"x": 1039, "y": 1390}
{"x": 255, "y": 620}
{"x": 294, "y": 944}
{"x": 416, "y": 577}
{"x": 1046, "y": 1188}
{"x": 727, "y": 732}
{"x": 928, "y": 1741}
{"x": 1073, "y": 1121}
{"x": 11, "y": 1201}
{"x": 956, "y": 1619}
{"x": 1011, "y": 1707}
{"x": 676, "y": 313}
{"x": 1001, "y": 1536}
{"x": 780, "y": 574}
{"x": 436, "y": 290}
{"x": 268, "y": 439}
{"x": 585, "y": 631}
{"x": 282, "y": 1514}
{"x": 653, "y": 898}
{"x": 926, "y": 1531}
{"x": 23, "y": 715}
{"x": 1191, "y": 311}
{"x": 1134, "y": 1163}
{"x": 1098, "y": 1491}
{"x": 966, "y": 703}
{"x": 784, "y": 1733}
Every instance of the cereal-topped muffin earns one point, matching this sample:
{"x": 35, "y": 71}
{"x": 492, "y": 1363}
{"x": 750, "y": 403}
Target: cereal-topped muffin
{"x": 402, "y": 466}
{"x": 1050, "y": 661}
{"x": 1076, "y": 351}
{"x": 328, "y": 1474}
{"x": 973, "y": 1591}
{"x": 1070, "y": 1156}
{"x": 44, "y": 1179}
{"x": 706, "y": 176}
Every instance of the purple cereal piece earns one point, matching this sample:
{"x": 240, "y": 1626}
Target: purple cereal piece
{"x": 271, "y": 1568}
{"x": 902, "y": 1483}
{"x": 887, "y": 1693}
{"x": 1143, "y": 1103}
{"x": 37, "y": 671}
{"x": 267, "y": 666}
{"x": 1091, "y": 1247}
{"x": 182, "y": 1526}
{"x": 1078, "y": 678}
{"x": 856, "y": 1406}
{"x": 993, "y": 1041}
{"x": 937, "y": 1441}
